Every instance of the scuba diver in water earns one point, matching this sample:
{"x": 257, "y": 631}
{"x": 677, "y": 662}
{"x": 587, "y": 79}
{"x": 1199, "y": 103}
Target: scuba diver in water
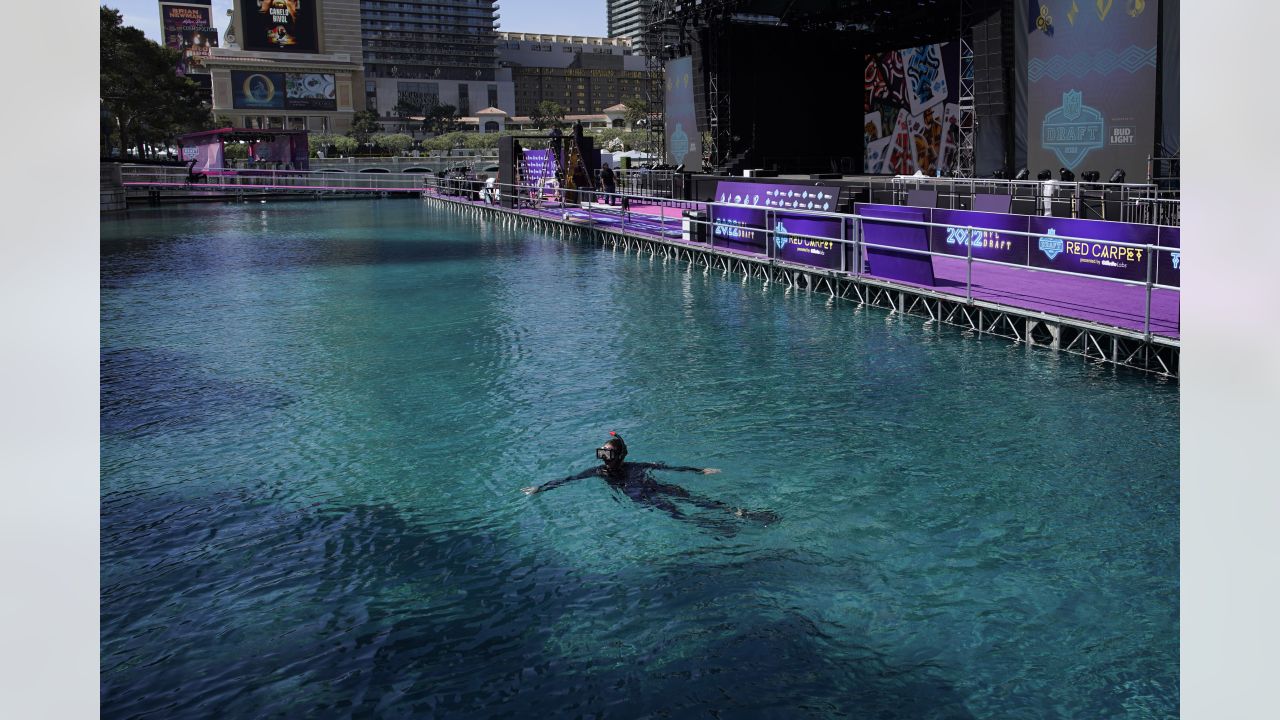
{"x": 636, "y": 481}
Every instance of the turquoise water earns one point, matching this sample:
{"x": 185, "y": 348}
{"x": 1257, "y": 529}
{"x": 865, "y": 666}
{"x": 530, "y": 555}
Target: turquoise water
{"x": 317, "y": 418}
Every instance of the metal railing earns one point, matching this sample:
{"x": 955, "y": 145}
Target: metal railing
{"x": 641, "y": 181}
{"x": 1122, "y": 202}
{"x": 852, "y": 243}
{"x": 1164, "y": 172}
{"x": 148, "y": 177}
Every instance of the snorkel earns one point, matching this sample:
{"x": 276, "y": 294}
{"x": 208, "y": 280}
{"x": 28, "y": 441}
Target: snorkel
{"x": 612, "y": 452}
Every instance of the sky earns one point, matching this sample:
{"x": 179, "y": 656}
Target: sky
{"x": 564, "y": 17}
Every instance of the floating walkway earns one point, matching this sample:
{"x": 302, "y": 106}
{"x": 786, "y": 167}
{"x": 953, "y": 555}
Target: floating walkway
{"x": 1038, "y": 309}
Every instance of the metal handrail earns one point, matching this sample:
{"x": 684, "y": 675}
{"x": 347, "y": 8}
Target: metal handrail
{"x": 247, "y": 179}
{"x": 857, "y": 242}
{"x": 1046, "y": 192}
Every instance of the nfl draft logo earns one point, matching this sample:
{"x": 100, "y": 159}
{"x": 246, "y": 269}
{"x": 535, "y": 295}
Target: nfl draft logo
{"x": 1051, "y": 244}
{"x": 780, "y": 235}
{"x": 1072, "y": 130}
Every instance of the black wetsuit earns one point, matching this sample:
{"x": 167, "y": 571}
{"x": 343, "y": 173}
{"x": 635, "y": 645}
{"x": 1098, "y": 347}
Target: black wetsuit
{"x": 636, "y": 481}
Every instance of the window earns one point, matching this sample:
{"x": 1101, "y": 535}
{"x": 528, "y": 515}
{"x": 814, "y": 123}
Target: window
{"x": 493, "y": 95}
{"x": 464, "y": 99}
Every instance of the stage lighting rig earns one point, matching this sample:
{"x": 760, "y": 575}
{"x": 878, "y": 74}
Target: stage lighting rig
{"x": 1023, "y": 174}
{"x": 1117, "y": 176}
{"x": 1066, "y": 175}
{"x": 1045, "y": 174}
{"x": 1090, "y": 176}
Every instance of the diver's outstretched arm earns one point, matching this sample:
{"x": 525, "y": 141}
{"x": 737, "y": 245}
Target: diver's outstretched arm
{"x": 679, "y": 468}
{"x": 589, "y": 472}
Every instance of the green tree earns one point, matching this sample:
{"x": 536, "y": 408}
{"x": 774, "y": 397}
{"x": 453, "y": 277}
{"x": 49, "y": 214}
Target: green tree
{"x": 637, "y": 109}
{"x": 342, "y": 144}
{"x": 393, "y": 143}
{"x": 364, "y": 125}
{"x": 441, "y": 119}
{"x": 145, "y": 103}
{"x": 548, "y": 113}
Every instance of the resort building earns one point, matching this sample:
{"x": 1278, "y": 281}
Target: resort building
{"x": 427, "y": 52}
{"x": 583, "y": 74}
{"x": 289, "y": 66}
{"x": 631, "y": 19}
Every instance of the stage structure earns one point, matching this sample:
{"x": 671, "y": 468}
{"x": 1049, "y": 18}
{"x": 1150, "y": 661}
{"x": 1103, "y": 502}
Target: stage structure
{"x": 962, "y": 88}
{"x": 268, "y": 149}
{"x": 545, "y": 164}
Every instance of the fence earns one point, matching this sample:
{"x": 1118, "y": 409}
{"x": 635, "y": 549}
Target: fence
{"x": 1143, "y": 203}
{"x": 854, "y": 250}
{"x": 239, "y": 181}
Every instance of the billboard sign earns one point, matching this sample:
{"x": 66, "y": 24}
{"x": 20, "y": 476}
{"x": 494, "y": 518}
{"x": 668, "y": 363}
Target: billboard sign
{"x": 280, "y": 26}
{"x": 683, "y": 141}
{"x": 187, "y": 28}
{"x": 1091, "y": 85}
{"x": 988, "y": 234}
{"x": 282, "y": 91}
{"x": 540, "y": 166}
{"x": 1053, "y": 247}
{"x": 911, "y": 110}
{"x": 744, "y": 228}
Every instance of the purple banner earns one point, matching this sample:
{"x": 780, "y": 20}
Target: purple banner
{"x": 891, "y": 264}
{"x": 1051, "y": 248}
{"x": 1169, "y": 264}
{"x": 743, "y": 228}
{"x": 539, "y": 166}
{"x": 806, "y": 250}
{"x": 983, "y": 232}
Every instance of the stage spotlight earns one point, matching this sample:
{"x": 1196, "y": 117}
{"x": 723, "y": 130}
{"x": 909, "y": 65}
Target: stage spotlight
{"x": 680, "y": 168}
{"x": 1117, "y": 176}
{"x": 998, "y": 174}
{"x": 1090, "y": 176}
{"x": 1045, "y": 175}
{"x": 1066, "y": 175}
{"x": 1023, "y": 174}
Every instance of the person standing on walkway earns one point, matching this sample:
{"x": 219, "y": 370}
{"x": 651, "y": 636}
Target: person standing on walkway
{"x": 610, "y": 183}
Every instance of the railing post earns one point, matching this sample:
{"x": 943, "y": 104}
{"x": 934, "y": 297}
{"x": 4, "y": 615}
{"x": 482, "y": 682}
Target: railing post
{"x": 1146, "y": 318}
{"x": 844, "y": 263}
{"x": 968, "y": 270}
{"x": 857, "y": 245}
{"x": 769, "y": 236}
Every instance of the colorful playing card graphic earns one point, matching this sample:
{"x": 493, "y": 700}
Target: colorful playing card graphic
{"x": 950, "y": 145}
{"x": 875, "y": 86}
{"x": 877, "y": 151}
{"x": 871, "y": 129}
{"x": 926, "y": 82}
{"x": 900, "y": 160}
{"x": 921, "y": 153}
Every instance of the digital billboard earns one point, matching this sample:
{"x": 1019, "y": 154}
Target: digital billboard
{"x": 911, "y": 110}
{"x": 187, "y": 28}
{"x": 280, "y": 26}
{"x": 282, "y": 91}
{"x": 683, "y": 141}
{"x": 1091, "y": 85}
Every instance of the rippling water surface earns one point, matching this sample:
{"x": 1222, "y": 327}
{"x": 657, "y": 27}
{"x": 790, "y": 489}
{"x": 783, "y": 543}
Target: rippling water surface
{"x": 317, "y": 418}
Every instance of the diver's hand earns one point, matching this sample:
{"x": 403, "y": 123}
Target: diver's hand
{"x": 710, "y": 471}
{"x": 529, "y": 490}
